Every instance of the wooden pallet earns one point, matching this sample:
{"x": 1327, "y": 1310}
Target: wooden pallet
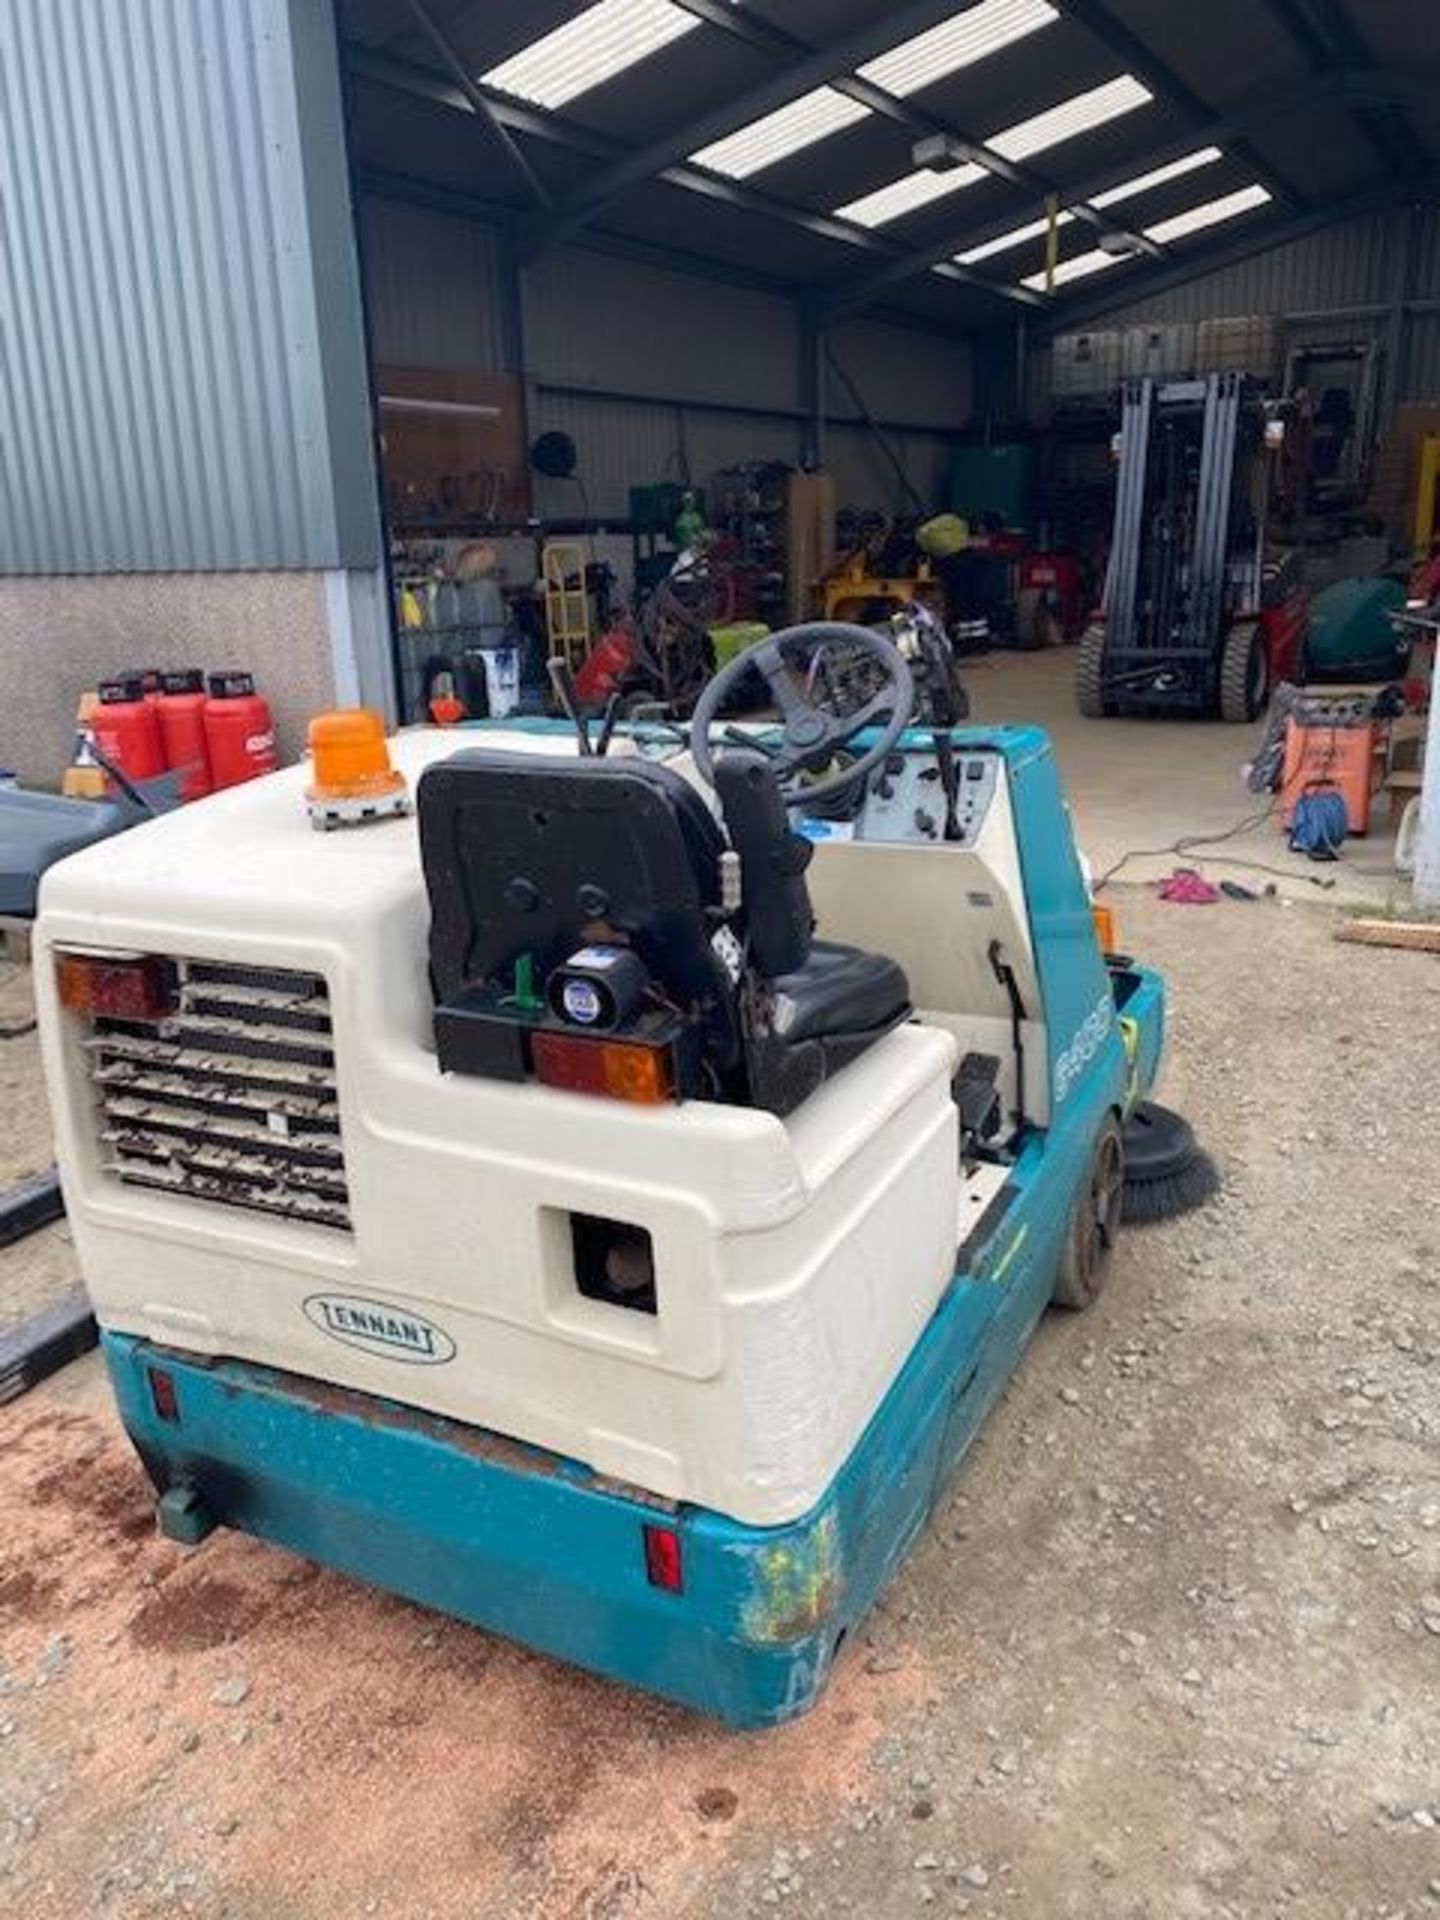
{"x": 1421, "y": 936}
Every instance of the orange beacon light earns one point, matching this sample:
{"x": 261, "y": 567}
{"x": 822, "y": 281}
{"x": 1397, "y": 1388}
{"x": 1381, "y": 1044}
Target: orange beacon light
{"x": 352, "y": 780}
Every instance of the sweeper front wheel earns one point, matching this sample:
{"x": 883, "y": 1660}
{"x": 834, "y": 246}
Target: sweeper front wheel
{"x": 1094, "y": 1223}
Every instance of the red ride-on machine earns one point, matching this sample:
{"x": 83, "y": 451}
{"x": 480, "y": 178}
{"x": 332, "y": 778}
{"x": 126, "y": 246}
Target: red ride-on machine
{"x": 663, "y": 656}
{"x": 1197, "y": 617}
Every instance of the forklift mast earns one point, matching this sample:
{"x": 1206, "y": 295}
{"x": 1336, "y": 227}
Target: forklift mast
{"x": 1184, "y": 583}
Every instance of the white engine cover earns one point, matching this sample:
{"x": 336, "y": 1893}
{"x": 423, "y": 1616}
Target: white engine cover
{"x": 797, "y": 1262}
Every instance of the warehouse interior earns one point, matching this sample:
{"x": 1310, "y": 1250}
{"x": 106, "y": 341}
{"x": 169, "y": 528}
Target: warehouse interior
{"x": 691, "y": 251}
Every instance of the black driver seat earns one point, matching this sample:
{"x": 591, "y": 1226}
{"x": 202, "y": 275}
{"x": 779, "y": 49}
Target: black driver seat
{"x": 839, "y": 990}
{"x": 538, "y": 856}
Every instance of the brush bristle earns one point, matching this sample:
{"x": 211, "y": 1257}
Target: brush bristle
{"x": 1180, "y": 1190}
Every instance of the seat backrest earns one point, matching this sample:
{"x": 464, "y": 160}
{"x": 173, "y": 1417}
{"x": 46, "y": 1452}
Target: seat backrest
{"x": 779, "y": 920}
{"x": 525, "y": 854}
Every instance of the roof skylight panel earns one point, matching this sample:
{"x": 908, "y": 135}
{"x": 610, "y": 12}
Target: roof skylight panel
{"x": 1082, "y": 113}
{"x": 959, "y": 42}
{"x": 1078, "y": 267}
{"x": 799, "y": 123}
{"x": 584, "y": 52}
{"x": 956, "y": 43}
{"x": 905, "y": 195}
{"x": 1127, "y": 190}
{"x": 1143, "y": 182}
{"x": 1062, "y": 122}
{"x": 1194, "y": 219}
{"x": 1208, "y": 214}
{"x": 1004, "y": 241}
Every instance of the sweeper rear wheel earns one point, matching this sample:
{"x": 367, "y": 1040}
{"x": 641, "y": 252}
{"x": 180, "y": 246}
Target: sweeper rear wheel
{"x": 1094, "y": 1223}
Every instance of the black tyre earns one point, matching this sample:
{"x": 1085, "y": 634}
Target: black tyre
{"x": 1094, "y": 1223}
{"x": 1030, "y": 620}
{"x": 1244, "y": 674}
{"x": 1090, "y": 675}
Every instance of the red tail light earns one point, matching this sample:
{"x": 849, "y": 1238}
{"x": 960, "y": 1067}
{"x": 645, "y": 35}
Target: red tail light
{"x": 116, "y": 986}
{"x": 623, "y": 1069}
{"x": 162, "y": 1395}
{"x": 664, "y": 1565}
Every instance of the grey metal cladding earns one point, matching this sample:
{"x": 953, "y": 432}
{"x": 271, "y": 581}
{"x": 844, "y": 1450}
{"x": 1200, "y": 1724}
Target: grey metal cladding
{"x": 181, "y": 343}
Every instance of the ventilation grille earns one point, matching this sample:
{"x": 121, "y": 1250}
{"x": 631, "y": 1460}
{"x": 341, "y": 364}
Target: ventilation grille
{"x": 232, "y": 1098}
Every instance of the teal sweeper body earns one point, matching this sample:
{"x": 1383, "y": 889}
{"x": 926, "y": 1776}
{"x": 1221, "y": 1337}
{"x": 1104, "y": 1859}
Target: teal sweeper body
{"x": 603, "y": 1202}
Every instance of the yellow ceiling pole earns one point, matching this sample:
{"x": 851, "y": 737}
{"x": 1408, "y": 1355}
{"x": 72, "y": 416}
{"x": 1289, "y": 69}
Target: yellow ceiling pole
{"x": 1052, "y": 239}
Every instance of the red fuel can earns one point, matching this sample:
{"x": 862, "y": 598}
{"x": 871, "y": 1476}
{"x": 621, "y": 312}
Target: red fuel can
{"x": 127, "y": 729}
{"x": 181, "y": 707}
{"x": 239, "y": 731}
{"x": 605, "y": 666}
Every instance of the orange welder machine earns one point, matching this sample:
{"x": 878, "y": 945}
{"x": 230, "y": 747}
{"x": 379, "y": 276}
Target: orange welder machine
{"x": 1342, "y": 759}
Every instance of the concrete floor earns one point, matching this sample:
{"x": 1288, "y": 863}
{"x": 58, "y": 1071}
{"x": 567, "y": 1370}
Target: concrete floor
{"x": 1148, "y": 783}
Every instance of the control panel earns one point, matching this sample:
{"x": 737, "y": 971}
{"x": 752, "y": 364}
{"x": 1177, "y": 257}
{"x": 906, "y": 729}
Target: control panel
{"x": 906, "y": 802}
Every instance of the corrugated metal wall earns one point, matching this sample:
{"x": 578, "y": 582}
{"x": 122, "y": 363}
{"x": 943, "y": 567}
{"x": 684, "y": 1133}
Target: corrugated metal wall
{"x": 433, "y": 287}
{"x": 618, "y": 442}
{"x": 1423, "y": 361}
{"x": 624, "y": 443}
{"x": 181, "y": 358}
{"x": 865, "y": 478}
{"x": 657, "y": 374}
{"x": 592, "y": 320}
{"x": 905, "y": 377}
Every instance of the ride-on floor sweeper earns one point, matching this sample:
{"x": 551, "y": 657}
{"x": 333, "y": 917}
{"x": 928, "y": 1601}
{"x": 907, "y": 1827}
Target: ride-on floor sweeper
{"x": 585, "y": 1204}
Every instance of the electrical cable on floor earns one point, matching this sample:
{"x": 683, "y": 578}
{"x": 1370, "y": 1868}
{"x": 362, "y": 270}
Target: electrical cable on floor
{"x": 1187, "y": 842}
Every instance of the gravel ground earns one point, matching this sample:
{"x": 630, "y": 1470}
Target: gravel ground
{"x": 41, "y": 1270}
{"x": 1171, "y": 1647}
{"x": 25, "y": 1139}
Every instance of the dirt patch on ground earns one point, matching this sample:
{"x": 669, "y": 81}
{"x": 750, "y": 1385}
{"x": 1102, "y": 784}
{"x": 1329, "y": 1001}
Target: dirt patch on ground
{"x": 239, "y": 1733}
{"x": 1170, "y": 1649}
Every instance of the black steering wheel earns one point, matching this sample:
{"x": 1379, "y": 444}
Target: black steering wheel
{"x": 813, "y": 733}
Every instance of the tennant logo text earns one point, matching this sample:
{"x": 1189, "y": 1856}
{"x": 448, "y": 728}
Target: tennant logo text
{"x": 393, "y": 1333}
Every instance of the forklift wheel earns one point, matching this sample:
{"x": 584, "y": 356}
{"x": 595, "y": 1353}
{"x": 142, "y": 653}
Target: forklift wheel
{"x": 1090, "y": 675}
{"x": 1094, "y": 1222}
{"x": 1031, "y": 619}
{"x": 1244, "y": 674}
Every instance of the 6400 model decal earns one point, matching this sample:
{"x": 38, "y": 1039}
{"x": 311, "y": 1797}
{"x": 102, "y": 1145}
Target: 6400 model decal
{"x": 1091, "y": 1035}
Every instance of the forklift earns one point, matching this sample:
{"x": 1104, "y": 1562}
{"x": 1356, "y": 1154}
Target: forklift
{"x": 1196, "y": 619}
